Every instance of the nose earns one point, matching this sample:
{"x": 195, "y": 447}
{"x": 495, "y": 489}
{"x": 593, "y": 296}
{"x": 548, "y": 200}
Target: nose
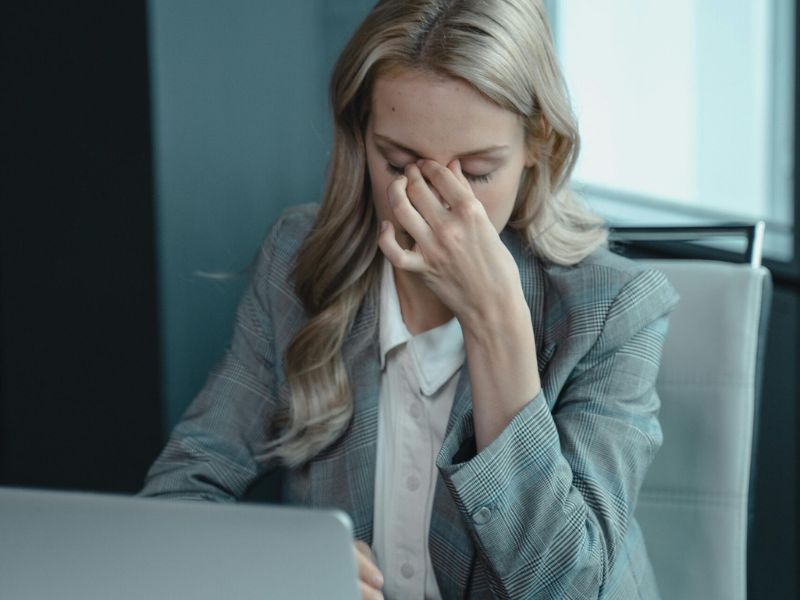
{"x": 428, "y": 182}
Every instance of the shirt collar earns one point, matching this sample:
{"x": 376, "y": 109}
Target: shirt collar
{"x": 436, "y": 354}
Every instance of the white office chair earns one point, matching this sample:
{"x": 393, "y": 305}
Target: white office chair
{"x": 694, "y": 505}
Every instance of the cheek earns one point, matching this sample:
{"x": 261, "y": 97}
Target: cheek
{"x": 498, "y": 200}
{"x": 379, "y": 181}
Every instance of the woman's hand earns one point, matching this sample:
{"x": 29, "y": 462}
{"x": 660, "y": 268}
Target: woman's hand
{"x": 458, "y": 252}
{"x": 370, "y": 578}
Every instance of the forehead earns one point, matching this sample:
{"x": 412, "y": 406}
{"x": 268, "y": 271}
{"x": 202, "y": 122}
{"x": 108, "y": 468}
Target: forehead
{"x": 437, "y": 114}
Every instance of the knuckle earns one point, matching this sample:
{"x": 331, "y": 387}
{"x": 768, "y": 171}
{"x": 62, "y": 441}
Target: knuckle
{"x": 394, "y": 190}
{"x": 402, "y": 260}
{"x": 474, "y": 211}
{"x": 435, "y": 260}
{"x": 465, "y": 195}
{"x": 450, "y": 234}
{"x": 392, "y": 259}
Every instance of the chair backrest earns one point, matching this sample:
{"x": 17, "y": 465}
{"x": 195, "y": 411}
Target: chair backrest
{"x": 693, "y": 506}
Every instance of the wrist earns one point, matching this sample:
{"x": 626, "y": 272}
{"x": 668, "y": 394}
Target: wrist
{"x": 499, "y": 317}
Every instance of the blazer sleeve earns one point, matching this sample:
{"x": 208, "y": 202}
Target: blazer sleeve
{"x": 548, "y": 502}
{"x": 210, "y": 453}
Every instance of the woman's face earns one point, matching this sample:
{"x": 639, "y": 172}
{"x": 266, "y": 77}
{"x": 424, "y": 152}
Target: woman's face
{"x": 416, "y": 114}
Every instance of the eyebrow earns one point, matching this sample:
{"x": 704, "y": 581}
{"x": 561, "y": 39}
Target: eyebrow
{"x": 487, "y": 150}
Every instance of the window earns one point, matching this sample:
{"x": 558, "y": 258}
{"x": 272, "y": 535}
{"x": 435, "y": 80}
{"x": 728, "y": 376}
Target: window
{"x": 685, "y": 109}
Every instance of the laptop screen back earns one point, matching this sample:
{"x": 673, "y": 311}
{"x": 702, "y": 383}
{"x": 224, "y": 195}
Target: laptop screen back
{"x": 71, "y": 545}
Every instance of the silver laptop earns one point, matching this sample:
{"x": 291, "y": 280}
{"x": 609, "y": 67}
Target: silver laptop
{"x": 83, "y": 546}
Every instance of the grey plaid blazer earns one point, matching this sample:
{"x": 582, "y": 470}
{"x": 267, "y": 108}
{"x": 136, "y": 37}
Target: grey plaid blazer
{"x": 544, "y": 511}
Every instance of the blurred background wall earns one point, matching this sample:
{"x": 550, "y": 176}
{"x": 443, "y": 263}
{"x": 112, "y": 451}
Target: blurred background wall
{"x": 241, "y": 131}
{"x": 146, "y": 142}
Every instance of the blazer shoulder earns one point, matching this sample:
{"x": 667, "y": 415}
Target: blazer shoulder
{"x": 271, "y": 267}
{"x": 293, "y": 225}
{"x": 283, "y": 239}
{"x": 618, "y": 295}
{"x": 602, "y": 271}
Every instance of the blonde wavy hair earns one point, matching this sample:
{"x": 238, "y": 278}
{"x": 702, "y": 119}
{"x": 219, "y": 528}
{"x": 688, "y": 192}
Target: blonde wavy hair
{"x": 504, "y": 49}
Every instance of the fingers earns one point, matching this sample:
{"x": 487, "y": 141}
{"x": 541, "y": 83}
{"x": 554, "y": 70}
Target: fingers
{"x": 406, "y": 213}
{"x": 425, "y": 199}
{"x": 368, "y": 593}
{"x": 455, "y": 167}
{"x": 422, "y": 210}
{"x": 449, "y": 181}
{"x": 364, "y": 550}
{"x": 409, "y": 260}
{"x": 370, "y": 577}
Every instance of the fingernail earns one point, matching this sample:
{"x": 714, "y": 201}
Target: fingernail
{"x": 384, "y": 225}
{"x": 420, "y": 162}
{"x": 377, "y": 581}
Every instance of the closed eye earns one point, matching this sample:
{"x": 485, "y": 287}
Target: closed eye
{"x": 470, "y": 177}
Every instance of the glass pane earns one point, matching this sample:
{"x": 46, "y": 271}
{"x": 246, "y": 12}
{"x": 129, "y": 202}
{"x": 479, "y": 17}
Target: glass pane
{"x": 676, "y": 102}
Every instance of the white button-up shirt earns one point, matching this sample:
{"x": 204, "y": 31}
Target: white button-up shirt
{"x": 416, "y": 395}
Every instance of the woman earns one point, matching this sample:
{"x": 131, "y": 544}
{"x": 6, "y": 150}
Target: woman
{"x": 444, "y": 348}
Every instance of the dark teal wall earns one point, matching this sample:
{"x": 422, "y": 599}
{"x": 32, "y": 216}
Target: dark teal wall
{"x": 240, "y": 131}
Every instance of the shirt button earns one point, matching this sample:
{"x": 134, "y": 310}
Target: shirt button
{"x": 416, "y": 410}
{"x": 407, "y": 570}
{"x": 482, "y": 515}
{"x": 412, "y": 483}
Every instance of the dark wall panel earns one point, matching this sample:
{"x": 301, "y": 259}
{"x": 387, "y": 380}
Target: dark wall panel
{"x": 80, "y": 404}
{"x": 774, "y": 528}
